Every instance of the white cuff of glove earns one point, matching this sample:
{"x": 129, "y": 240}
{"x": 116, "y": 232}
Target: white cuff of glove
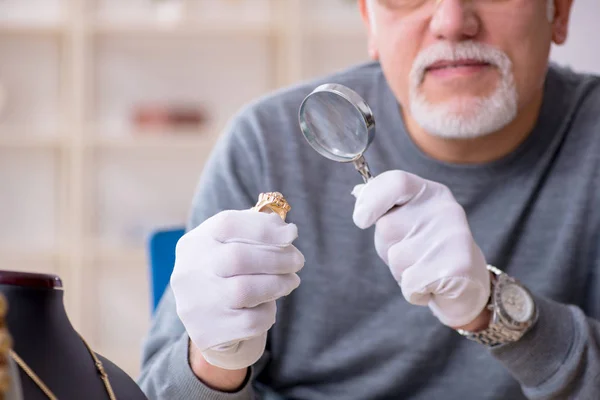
{"x": 238, "y": 355}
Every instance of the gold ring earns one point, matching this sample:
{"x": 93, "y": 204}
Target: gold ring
{"x": 273, "y": 201}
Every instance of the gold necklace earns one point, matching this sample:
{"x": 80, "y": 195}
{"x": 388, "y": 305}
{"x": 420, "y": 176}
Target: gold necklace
{"x": 6, "y": 343}
{"x": 44, "y": 388}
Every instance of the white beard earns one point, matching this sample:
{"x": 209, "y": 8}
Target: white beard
{"x": 468, "y": 117}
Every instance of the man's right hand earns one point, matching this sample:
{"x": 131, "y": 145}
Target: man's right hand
{"x": 228, "y": 273}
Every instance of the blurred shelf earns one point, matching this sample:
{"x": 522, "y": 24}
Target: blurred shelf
{"x": 13, "y": 141}
{"x": 179, "y": 139}
{"x": 230, "y": 27}
{"x": 33, "y": 256}
{"x": 104, "y": 251}
{"x": 32, "y": 28}
{"x": 337, "y": 29}
{"x": 187, "y": 28}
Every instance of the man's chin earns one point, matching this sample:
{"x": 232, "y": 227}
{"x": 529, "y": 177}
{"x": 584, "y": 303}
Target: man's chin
{"x": 465, "y": 117}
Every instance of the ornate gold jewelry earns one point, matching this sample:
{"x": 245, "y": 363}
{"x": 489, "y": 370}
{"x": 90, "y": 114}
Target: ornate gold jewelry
{"x": 44, "y": 388}
{"x": 273, "y": 201}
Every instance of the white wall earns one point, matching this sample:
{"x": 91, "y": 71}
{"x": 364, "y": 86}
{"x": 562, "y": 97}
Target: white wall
{"x": 582, "y": 50}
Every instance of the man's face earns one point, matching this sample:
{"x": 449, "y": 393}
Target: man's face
{"x": 464, "y": 68}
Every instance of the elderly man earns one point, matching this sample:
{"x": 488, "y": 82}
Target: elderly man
{"x": 481, "y": 224}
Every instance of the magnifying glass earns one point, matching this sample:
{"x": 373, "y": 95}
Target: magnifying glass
{"x": 339, "y": 125}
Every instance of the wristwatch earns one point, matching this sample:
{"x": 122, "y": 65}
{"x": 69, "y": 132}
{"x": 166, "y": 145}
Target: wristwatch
{"x": 513, "y": 312}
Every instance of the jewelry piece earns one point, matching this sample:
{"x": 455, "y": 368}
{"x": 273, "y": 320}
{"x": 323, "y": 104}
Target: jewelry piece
{"x": 48, "y": 392}
{"x": 273, "y": 201}
{"x": 5, "y": 346}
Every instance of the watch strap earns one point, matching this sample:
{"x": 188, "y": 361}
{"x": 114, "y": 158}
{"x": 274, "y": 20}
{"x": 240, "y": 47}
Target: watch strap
{"x": 492, "y": 336}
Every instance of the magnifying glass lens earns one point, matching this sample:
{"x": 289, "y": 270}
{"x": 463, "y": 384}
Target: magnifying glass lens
{"x": 334, "y": 127}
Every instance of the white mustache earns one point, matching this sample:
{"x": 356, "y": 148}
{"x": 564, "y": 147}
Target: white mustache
{"x": 443, "y": 52}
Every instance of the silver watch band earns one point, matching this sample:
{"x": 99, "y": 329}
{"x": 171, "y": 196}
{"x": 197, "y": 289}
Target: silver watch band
{"x": 492, "y": 336}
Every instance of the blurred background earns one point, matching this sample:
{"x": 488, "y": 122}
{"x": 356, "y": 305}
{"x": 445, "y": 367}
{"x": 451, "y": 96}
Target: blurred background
{"x": 108, "y": 109}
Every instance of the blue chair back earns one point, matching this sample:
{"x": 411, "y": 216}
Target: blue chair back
{"x": 161, "y": 255}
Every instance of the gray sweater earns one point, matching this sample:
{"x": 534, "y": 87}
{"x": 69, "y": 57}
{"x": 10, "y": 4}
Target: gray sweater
{"x": 347, "y": 332}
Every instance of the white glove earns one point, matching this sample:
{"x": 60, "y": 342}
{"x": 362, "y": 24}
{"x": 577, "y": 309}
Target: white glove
{"x": 228, "y": 273}
{"x": 422, "y": 234}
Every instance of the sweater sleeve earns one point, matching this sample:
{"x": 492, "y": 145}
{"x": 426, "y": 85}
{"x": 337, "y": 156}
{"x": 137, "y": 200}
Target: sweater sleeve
{"x": 230, "y": 180}
{"x": 559, "y": 358}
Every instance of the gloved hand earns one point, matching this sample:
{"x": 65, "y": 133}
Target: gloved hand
{"x": 228, "y": 273}
{"x": 422, "y": 234}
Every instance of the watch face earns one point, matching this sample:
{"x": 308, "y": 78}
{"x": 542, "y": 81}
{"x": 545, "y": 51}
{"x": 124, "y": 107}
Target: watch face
{"x": 517, "y": 303}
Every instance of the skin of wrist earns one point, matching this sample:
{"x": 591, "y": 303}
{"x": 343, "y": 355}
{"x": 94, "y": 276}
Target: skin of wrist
{"x": 478, "y": 324}
{"x": 216, "y": 378}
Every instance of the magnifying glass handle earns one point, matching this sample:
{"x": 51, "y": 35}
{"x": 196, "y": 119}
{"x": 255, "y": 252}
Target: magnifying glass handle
{"x": 363, "y": 168}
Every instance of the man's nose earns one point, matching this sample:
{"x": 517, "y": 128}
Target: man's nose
{"x": 454, "y": 20}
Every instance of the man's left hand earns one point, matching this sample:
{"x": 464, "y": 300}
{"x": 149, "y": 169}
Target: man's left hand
{"x": 422, "y": 234}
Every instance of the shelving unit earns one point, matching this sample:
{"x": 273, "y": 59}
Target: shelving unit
{"x": 31, "y": 29}
{"x": 82, "y": 186}
{"x": 211, "y": 28}
{"x": 26, "y": 141}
